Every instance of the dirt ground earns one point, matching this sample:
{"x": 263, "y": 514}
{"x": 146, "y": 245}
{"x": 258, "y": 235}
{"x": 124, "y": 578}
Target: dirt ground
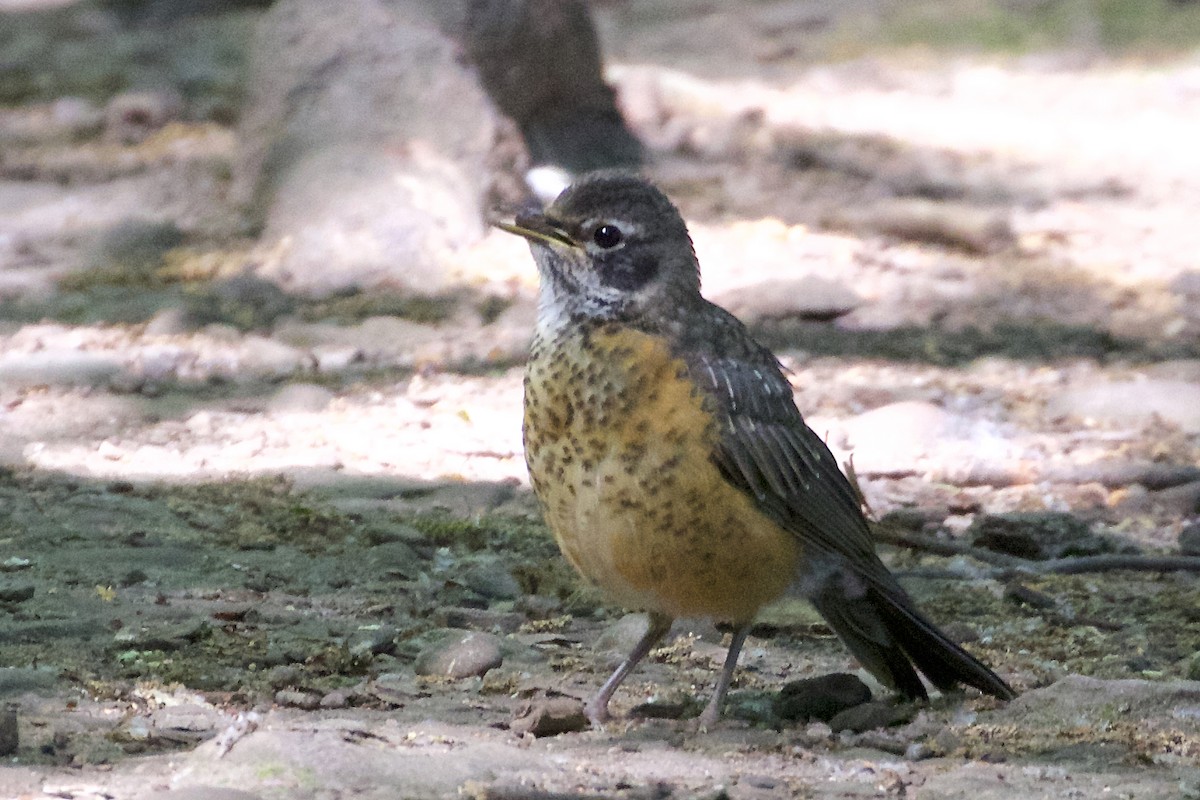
{"x": 242, "y": 534}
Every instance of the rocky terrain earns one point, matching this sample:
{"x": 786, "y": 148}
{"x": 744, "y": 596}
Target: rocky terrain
{"x": 268, "y": 535}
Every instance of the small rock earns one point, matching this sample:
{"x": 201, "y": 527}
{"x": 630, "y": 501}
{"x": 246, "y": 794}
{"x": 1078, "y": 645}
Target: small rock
{"x": 1182, "y": 500}
{"x": 462, "y": 654}
{"x": 308, "y": 701}
{"x": 1189, "y": 539}
{"x": 187, "y": 723}
{"x": 338, "y": 698}
{"x": 393, "y": 560}
{"x": 493, "y": 581}
{"x": 376, "y": 642}
{"x": 550, "y": 715}
{"x": 822, "y": 697}
{"x": 284, "y": 675}
{"x": 967, "y": 227}
{"x": 396, "y": 688}
{"x": 483, "y": 619}
{"x": 872, "y": 715}
{"x": 57, "y": 366}
{"x": 1037, "y": 535}
{"x": 167, "y": 322}
{"x": 667, "y": 709}
{"x": 245, "y": 301}
{"x": 18, "y": 680}
{"x": 809, "y": 297}
{"x": 164, "y": 636}
{"x": 15, "y": 594}
{"x": 300, "y": 397}
{"x": 539, "y": 606}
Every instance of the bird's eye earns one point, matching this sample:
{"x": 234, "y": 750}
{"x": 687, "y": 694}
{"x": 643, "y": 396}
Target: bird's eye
{"x": 608, "y": 236}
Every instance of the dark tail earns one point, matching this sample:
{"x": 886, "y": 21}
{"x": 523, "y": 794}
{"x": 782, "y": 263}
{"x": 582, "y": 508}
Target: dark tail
{"x": 888, "y": 635}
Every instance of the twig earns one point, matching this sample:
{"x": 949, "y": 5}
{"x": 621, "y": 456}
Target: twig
{"x": 1007, "y": 567}
{"x": 945, "y": 547}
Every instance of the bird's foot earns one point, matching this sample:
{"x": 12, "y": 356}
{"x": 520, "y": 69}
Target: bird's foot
{"x": 596, "y": 710}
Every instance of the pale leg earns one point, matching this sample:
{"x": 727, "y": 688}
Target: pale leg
{"x": 597, "y": 708}
{"x": 712, "y": 712}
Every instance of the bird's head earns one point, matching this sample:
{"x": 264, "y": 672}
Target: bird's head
{"x": 611, "y": 246}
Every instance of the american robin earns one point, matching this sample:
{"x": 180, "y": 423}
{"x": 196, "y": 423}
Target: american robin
{"x": 672, "y": 463}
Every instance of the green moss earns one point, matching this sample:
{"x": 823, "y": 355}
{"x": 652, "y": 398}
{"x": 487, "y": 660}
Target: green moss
{"x": 129, "y": 254}
{"x": 1117, "y": 25}
{"x": 353, "y": 308}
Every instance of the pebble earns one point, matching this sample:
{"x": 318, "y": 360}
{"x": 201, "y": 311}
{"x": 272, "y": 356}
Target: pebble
{"x": 16, "y": 594}
{"x": 307, "y": 701}
{"x": 1037, "y": 535}
{"x": 822, "y": 697}
{"x": 482, "y": 619}
{"x": 872, "y": 715}
{"x": 338, "y": 698}
{"x": 375, "y": 642}
{"x": 462, "y": 654}
{"x": 301, "y": 398}
{"x": 18, "y": 680}
{"x": 809, "y": 297}
{"x": 493, "y": 582}
{"x": 57, "y": 367}
{"x": 187, "y": 723}
{"x": 393, "y": 560}
{"x": 550, "y": 715}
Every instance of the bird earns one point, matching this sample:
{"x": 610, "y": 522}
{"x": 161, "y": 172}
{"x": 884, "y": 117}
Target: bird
{"x": 672, "y": 464}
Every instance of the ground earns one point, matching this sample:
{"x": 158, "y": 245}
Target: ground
{"x": 236, "y": 524}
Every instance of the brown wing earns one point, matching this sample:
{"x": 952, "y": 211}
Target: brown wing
{"x": 768, "y": 451}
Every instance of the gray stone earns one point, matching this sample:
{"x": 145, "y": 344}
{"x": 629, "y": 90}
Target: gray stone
{"x": 872, "y": 715}
{"x": 809, "y": 297}
{"x": 298, "y": 699}
{"x": 300, "y": 397}
{"x": 461, "y": 654}
{"x": 493, "y": 581}
{"x": 1038, "y": 535}
{"x": 362, "y": 171}
{"x": 1133, "y": 402}
{"x": 822, "y": 697}
{"x": 52, "y": 367}
{"x": 16, "y": 594}
{"x": 18, "y": 680}
{"x": 550, "y": 715}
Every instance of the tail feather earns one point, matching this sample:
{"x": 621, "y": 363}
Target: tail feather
{"x": 888, "y": 635}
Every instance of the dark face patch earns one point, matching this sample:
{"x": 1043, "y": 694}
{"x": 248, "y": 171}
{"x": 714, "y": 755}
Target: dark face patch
{"x": 627, "y": 269}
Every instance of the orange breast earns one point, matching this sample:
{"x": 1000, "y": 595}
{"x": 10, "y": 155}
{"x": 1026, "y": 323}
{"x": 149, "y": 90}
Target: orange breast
{"x": 619, "y": 443}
